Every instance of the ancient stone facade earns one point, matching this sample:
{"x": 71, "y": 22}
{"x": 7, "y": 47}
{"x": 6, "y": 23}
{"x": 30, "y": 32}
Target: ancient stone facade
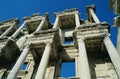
{"x": 37, "y": 49}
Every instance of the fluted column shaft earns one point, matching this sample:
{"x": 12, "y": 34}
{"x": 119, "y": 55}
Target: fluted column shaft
{"x": 97, "y": 21}
{"x": 83, "y": 61}
{"x": 114, "y": 55}
{"x": 40, "y": 25}
{"x": 56, "y": 22}
{"x": 43, "y": 63}
{"x": 77, "y": 20}
{"x": 19, "y": 63}
{"x": 8, "y": 30}
{"x": 18, "y": 31}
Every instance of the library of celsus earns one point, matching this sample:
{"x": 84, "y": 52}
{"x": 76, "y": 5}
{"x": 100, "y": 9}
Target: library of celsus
{"x": 37, "y": 48}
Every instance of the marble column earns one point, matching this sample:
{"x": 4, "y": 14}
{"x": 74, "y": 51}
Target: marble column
{"x": 56, "y": 22}
{"x": 118, "y": 41}
{"x": 83, "y": 60}
{"x": 40, "y": 25}
{"x": 77, "y": 20}
{"x": 44, "y": 62}
{"x": 114, "y": 55}
{"x": 97, "y": 21}
{"x": 19, "y": 63}
{"x": 62, "y": 36}
{"x": 18, "y": 31}
{"x": 77, "y": 68}
{"x": 8, "y": 30}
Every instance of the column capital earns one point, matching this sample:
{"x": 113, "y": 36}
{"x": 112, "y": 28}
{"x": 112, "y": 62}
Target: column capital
{"x": 77, "y": 13}
{"x": 106, "y": 36}
{"x": 27, "y": 46}
{"x": 81, "y": 39}
{"x": 91, "y": 7}
{"x": 48, "y": 44}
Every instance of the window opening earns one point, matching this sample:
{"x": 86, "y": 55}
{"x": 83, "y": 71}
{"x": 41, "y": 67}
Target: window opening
{"x": 24, "y": 66}
{"x": 68, "y": 69}
{"x": 68, "y": 40}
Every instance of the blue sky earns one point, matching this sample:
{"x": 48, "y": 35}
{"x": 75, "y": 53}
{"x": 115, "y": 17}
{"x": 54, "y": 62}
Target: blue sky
{"x": 21, "y": 8}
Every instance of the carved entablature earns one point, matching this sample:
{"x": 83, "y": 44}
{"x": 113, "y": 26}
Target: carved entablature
{"x": 32, "y": 22}
{"x": 89, "y": 17}
{"x": 91, "y": 30}
{"x": 39, "y": 40}
{"x": 67, "y": 18}
{"x": 117, "y": 21}
{"x": 93, "y": 35}
{"x": 5, "y": 50}
{"x": 6, "y": 24}
{"x": 34, "y": 17}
